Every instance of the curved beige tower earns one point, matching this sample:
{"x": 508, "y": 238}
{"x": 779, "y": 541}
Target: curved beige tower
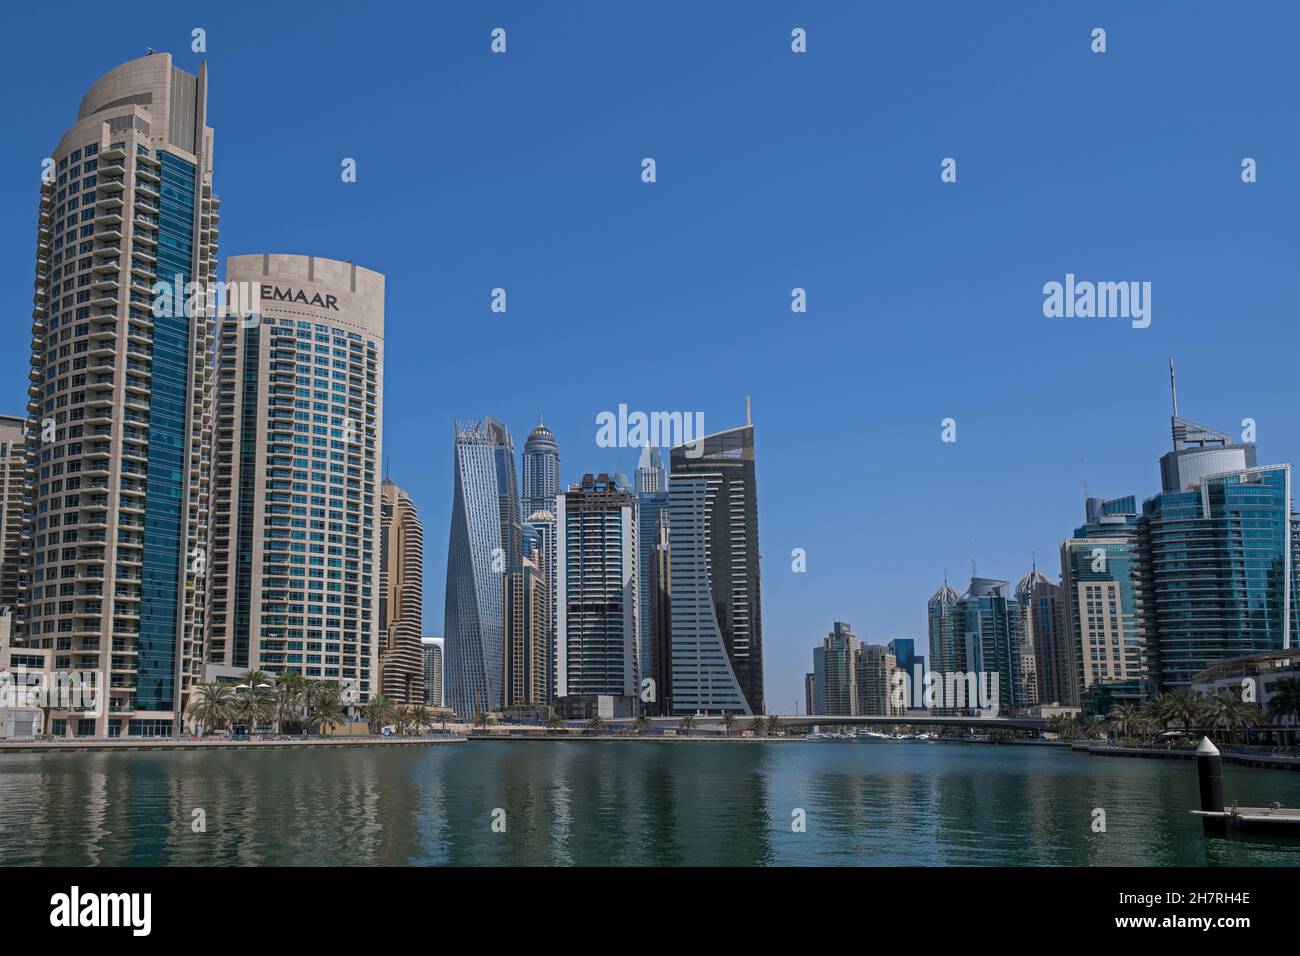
{"x": 112, "y": 579}
{"x": 401, "y": 610}
{"x": 295, "y": 567}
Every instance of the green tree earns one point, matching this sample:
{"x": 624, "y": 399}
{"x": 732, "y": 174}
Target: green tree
{"x": 757, "y": 726}
{"x": 482, "y": 719}
{"x": 642, "y": 723}
{"x": 1285, "y": 701}
{"x": 325, "y": 706}
{"x": 1227, "y": 713}
{"x": 773, "y": 724}
{"x": 554, "y": 722}
{"x": 596, "y": 724}
{"x": 729, "y": 723}
{"x": 212, "y": 706}
{"x": 686, "y": 725}
{"x": 379, "y": 712}
{"x": 1126, "y": 721}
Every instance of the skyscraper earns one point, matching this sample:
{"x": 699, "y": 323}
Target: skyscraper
{"x": 717, "y": 618}
{"x": 1103, "y": 651}
{"x": 432, "y": 652}
{"x": 652, "y": 506}
{"x": 659, "y": 597}
{"x": 1046, "y": 665}
{"x": 15, "y": 522}
{"x": 650, "y": 474}
{"x": 947, "y": 644}
{"x": 876, "y": 667}
{"x": 840, "y": 650}
{"x": 401, "y": 598}
{"x": 539, "y": 529}
{"x": 485, "y": 540}
{"x": 1217, "y": 576}
{"x": 120, "y": 382}
{"x": 527, "y": 612}
{"x": 983, "y": 639}
{"x": 541, "y": 471}
{"x": 296, "y": 555}
{"x": 911, "y": 664}
{"x": 596, "y": 548}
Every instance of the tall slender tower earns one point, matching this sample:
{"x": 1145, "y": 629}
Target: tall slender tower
{"x": 541, "y": 477}
{"x": 296, "y": 525}
{"x": 118, "y": 429}
{"x": 485, "y": 540}
{"x": 401, "y": 599}
{"x": 717, "y": 619}
{"x": 596, "y": 549}
{"x": 652, "y": 506}
{"x": 15, "y": 521}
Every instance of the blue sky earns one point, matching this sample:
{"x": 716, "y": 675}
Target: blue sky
{"x": 775, "y": 170}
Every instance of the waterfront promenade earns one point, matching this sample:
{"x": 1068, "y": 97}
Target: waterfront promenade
{"x": 135, "y": 744}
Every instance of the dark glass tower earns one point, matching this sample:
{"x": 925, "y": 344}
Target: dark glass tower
{"x": 717, "y": 619}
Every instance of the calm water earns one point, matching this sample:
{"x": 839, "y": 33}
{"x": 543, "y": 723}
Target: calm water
{"x": 644, "y": 803}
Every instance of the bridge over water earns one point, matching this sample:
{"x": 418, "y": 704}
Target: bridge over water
{"x": 823, "y": 720}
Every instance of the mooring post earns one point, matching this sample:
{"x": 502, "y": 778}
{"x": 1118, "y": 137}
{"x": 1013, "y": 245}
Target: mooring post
{"x": 1209, "y": 771}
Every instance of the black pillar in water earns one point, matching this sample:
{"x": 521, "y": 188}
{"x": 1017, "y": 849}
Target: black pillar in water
{"x": 1209, "y": 772}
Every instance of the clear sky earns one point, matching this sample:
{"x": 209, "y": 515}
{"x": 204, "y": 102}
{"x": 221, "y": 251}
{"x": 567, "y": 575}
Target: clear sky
{"x": 775, "y": 171}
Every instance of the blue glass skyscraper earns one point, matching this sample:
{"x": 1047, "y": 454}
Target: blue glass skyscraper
{"x": 485, "y": 540}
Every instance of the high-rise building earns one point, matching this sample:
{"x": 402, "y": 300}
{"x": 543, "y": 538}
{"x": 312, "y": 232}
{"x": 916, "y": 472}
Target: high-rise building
{"x": 1046, "y": 635}
{"x": 840, "y": 649}
{"x": 912, "y": 665}
{"x": 401, "y": 597}
{"x": 596, "y": 548}
{"x": 650, "y": 473}
{"x": 432, "y": 654}
{"x": 297, "y": 516}
{"x": 947, "y": 644}
{"x": 1101, "y": 659}
{"x": 876, "y": 666}
{"x": 541, "y": 471}
{"x": 539, "y": 534}
{"x": 1217, "y": 576}
{"x": 120, "y": 383}
{"x": 810, "y": 693}
{"x": 983, "y": 640}
{"x": 717, "y": 618}
{"x": 652, "y": 506}
{"x": 486, "y": 538}
{"x": 659, "y": 597}
{"x": 527, "y": 609}
{"x": 15, "y": 522}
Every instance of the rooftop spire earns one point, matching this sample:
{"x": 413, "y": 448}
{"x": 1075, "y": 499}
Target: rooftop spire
{"x": 747, "y": 419}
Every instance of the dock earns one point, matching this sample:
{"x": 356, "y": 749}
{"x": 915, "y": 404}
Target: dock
{"x": 1261, "y": 821}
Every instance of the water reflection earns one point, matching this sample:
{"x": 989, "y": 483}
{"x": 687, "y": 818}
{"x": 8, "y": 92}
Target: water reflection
{"x": 638, "y": 804}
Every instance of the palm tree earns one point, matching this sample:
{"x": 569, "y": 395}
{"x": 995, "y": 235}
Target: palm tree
{"x": 1226, "y": 711}
{"x": 596, "y": 724}
{"x": 420, "y": 718}
{"x": 482, "y": 719}
{"x": 1126, "y": 721}
{"x": 642, "y": 723}
{"x": 1062, "y": 725}
{"x": 252, "y": 705}
{"x": 1187, "y": 707}
{"x": 554, "y": 722}
{"x": 729, "y": 723}
{"x": 686, "y": 724}
{"x": 290, "y": 697}
{"x": 212, "y": 705}
{"x": 773, "y": 724}
{"x": 1285, "y": 701}
{"x": 325, "y": 706}
{"x": 379, "y": 712}
{"x": 756, "y": 726}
